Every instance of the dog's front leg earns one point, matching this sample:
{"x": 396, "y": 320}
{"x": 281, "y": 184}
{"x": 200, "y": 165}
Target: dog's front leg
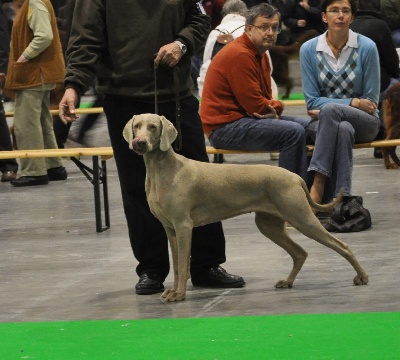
{"x": 180, "y": 242}
{"x": 174, "y": 252}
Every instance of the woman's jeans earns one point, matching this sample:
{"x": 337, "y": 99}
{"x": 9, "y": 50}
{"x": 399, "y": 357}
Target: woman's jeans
{"x": 287, "y": 134}
{"x": 339, "y": 127}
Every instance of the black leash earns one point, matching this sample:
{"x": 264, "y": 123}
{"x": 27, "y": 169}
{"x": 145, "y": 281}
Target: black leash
{"x": 178, "y": 142}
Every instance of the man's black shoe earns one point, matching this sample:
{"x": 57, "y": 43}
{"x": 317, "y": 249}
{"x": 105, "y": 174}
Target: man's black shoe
{"x": 57, "y": 173}
{"x": 30, "y": 180}
{"x": 218, "y": 277}
{"x": 149, "y": 284}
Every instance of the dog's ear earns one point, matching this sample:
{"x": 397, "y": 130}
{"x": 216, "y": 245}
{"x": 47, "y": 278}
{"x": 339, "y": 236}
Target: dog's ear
{"x": 168, "y": 134}
{"x": 128, "y": 132}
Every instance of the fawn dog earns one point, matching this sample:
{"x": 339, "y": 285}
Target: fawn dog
{"x": 184, "y": 193}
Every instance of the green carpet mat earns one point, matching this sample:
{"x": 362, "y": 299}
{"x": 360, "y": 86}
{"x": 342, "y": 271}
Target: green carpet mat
{"x": 294, "y": 96}
{"x": 334, "y": 336}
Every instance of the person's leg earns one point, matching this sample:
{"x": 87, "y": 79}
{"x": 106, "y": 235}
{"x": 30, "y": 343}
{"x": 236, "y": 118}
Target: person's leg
{"x": 334, "y": 142}
{"x": 28, "y": 130}
{"x": 89, "y": 121}
{"x": 49, "y": 139}
{"x": 287, "y": 136}
{"x": 358, "y": 127}
{"x": 146, "y": 234}
{"x": 61, "y": 132}
{"x": 7, "y": 166}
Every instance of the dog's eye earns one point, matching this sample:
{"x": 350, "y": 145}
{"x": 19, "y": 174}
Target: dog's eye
{"x": 152, "y": 127}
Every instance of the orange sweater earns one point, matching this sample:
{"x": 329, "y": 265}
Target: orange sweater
{"x": 237, "y": 83}
{"x": 46, "y": 68}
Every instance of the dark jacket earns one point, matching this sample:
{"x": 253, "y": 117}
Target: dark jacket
{"x": 293, "y": 12}
{"x": 368, "y": 23}
{"x": 117, "y": 41}
{"x": 4, "y": 41}
{"x": 391, "y": 13}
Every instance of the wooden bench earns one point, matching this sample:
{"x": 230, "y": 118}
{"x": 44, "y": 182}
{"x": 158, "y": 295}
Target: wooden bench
{"x": 97, "y": 175}
{"x": 219, "y": 153}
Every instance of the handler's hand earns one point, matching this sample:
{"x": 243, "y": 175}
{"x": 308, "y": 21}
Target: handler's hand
{"x": 66, "y": 108}
{"x": 168, "y": 55}
{"x": 271, "y": 115}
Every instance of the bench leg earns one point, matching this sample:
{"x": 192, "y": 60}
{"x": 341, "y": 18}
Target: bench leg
{"x": 99, "y": 176}
{"x": 218, "y": 158}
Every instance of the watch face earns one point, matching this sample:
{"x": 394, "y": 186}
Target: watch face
{"x": 181, "y": 46}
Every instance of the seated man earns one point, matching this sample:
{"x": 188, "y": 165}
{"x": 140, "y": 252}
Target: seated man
{"x": 237, "y": 109}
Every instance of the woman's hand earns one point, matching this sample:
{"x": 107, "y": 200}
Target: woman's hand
{"x": 364, "y": 104}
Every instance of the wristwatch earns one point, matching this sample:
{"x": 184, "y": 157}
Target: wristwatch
{"x": 182, "y": 46}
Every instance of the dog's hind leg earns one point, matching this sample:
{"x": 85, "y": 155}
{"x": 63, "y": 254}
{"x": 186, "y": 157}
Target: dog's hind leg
{"x": 317, "y": 232}
{"x": 274, "y": 228}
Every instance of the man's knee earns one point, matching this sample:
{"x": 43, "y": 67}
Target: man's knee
{"x": 296, "y": 133}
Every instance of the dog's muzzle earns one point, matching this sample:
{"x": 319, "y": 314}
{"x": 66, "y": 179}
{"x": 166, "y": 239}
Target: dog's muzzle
{"x": 139, "y": 145}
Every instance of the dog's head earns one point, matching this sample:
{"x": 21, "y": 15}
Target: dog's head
{"x": 147, "y": 132}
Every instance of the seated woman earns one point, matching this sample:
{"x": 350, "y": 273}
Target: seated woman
{"x": 341, "y": 77}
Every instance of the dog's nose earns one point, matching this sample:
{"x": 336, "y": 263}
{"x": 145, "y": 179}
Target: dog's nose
{"x": 141, "y": 144}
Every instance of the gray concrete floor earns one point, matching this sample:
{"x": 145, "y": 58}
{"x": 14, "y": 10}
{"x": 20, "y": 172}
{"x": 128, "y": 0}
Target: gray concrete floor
{"x": 54, "y": 266}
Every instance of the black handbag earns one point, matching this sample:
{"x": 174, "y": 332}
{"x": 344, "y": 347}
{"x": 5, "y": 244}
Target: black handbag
{"x": 349, "y": 216}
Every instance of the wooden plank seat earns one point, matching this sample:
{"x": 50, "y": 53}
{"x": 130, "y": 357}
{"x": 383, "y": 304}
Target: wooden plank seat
{"x": 219, "y": 153}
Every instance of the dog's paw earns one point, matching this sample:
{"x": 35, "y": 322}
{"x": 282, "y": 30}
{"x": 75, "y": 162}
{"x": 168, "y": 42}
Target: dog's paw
{"x": 391, "y": 166}
{"x": 361, "y": 279}
{"x": 283, "y": 284}
{"x": 172, "y": 295}
{"x": 165, "y": 294}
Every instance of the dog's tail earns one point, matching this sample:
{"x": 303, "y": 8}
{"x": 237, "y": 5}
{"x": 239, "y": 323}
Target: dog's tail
{"x": 325, "y": 207}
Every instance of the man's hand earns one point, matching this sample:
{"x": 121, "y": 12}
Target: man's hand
{"x": 168, "y": 55}
{"x": 22, "y": 59}
{"x": 301, "y": 23}
{"x": 313, "y": 114}
{"x": 66, "y": 108}
{"x": 271, "y": 115}
{"x": 304, "y": 4}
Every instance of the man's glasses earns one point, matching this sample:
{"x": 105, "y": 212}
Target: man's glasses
{"x": 264, "y": 29}
{"x": 338, "y": 11}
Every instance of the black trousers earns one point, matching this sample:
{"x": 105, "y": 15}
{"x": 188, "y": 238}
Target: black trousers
{"x": 5, "y": 143}
{"x": 147, "y": 236}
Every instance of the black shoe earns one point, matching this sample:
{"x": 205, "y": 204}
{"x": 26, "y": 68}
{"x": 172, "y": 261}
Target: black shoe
{"x": 218, "y": 277}
{"x": 8, "y": 176}
{"x": 149, "y": 284}
{"x": 57, "y": 173}
{"x": 30, "y": 180}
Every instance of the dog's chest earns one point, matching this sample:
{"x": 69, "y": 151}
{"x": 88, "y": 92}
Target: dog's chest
{"x": 157, "y": 195}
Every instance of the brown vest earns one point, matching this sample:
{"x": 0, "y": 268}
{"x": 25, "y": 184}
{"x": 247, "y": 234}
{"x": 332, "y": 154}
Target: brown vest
{"x": 46, "y": 68}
